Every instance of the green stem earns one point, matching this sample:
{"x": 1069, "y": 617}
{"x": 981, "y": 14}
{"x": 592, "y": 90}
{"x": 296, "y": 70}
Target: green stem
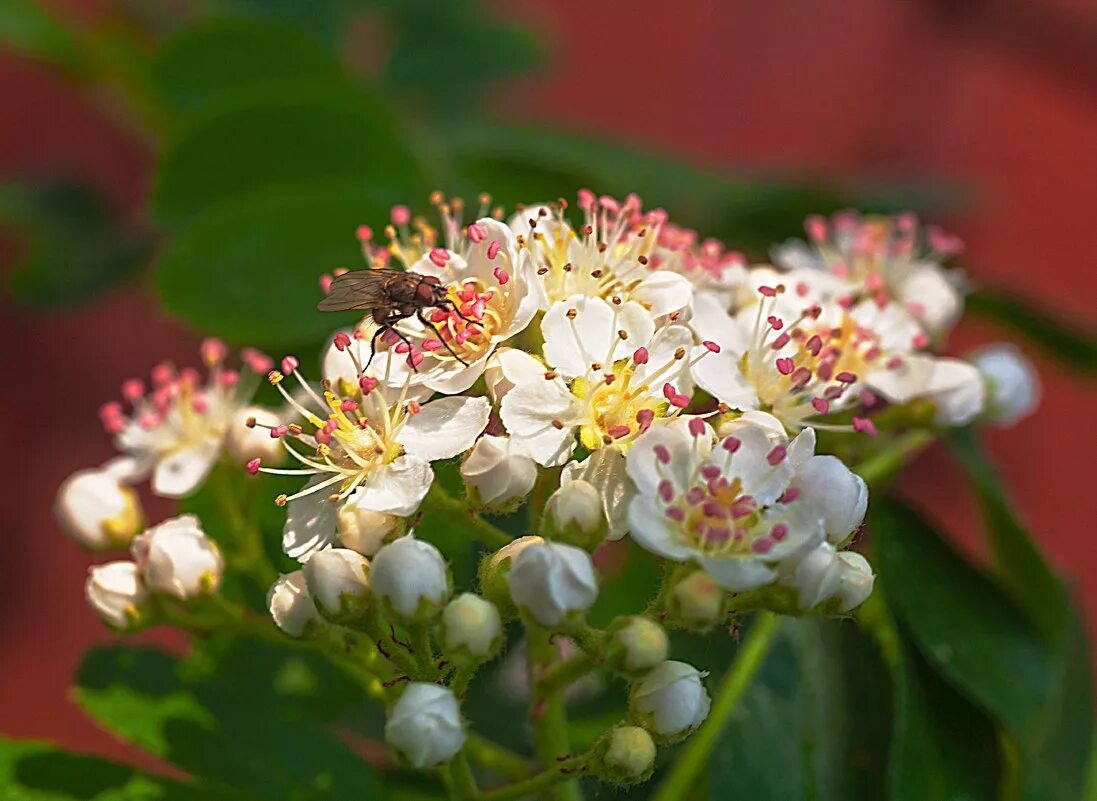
{"x": 459, "y": 780}
{"x": 423, "y": 653}
{"x": 550, "y": 722}
{"x": 562, "y": 674}
{"x": 496, "y": 758}
{"x": 250, "y": 557}
{"x": 443, "y": 503}
{"x": 694, "y": 755}
{"x": 882, "y": 466}
{"x": 555, "y": 778}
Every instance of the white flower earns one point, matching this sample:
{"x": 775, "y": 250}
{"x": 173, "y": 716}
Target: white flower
{"x": 955, "y": 387}
{"x": 498, "y": 470}
{"x": 671, "y": 701}
{"x": 551, "y": 581}
{"x": 174, "y": 433}
{"x": 642, "y": 643}
{"x": 249, "y": 436}
{"x": 630, "y": 755}
{"x": 604, "y": 470}
{"x": 471, "y": 628}
{"x": 816, "y": 577}
{"x": 575, "y": 511}
{"x": 338, "y": 581}
{"x": 372, "y": 447}
{"x": 178, "y": 559}
{"x": 291, "y": 606}
{"x": 839, "y": 496}
{"x": 609, "y": 256}
{"x": 494, "y": 568}
{"x": 1013, "y": 386}
{"x": 726, "y": 504}
{"x": 507, "y": 368}
{"x": 364, "y": 530}
{"x": 715, "y": 273}
{"x": 425, "y": 725}
{"x": 117, "y": 594}
{"x": 856, "y": 581}
{"x": 410, "y": 578}
{"x": 97, "y": 511}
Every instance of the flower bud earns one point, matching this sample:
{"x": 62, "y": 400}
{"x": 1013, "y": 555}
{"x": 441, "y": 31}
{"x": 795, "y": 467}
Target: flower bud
{"x": 493, "y": 571}
{"x": 498, "y": 473}
{"x": 636, "y": 644}
{"x": 472, "y": 630}
{"x": 574, "y": 514}
{"x": 1013, "y": 387}
{"x": 628, "y": 756}
{"x": 551, "y": 581}
{"x": 338, "y": 583}
{"x": 97, "y": 511}
{"x": 671, "y": 701}
{"x": 364, "y": 530}
{"x": 291, "y": 606}
{"x": 697, "y": 601}
{"x": 957, "y": 391}
{"x": 835, "y": 493}
{"x": 117, "y": 594}
{"x": 425, "y": 725}
{"x": 254, "y": 442}
{"x": 410, "y": 579}
{"x": 856, "y": 581}
{"x": 177, "y": 558}
{"x": 816, "y": 577}
{"x": 507, "y": 367}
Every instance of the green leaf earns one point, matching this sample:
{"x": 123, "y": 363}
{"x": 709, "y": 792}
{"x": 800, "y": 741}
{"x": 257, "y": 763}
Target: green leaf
{"x": 231, "y": 730}
{"x": 960, "y": 620}
{"x": 1061, "y": 339}
{"x": 74, "y": 249}
{"x": 943, "y": 748}
{"x": 226, "y": 58}
{"x": 30, "y": 28}
{"x": 813, "y": 725}
{"x": 248, "y": 270}
{"x": 39, "y": 771}
{"x": 274, "y": 142}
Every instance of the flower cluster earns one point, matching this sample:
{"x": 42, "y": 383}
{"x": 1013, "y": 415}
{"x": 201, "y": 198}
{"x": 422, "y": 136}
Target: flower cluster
{"x": 600, "y": 371}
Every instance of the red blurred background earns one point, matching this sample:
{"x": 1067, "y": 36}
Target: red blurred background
{"x": 998, "y": 97}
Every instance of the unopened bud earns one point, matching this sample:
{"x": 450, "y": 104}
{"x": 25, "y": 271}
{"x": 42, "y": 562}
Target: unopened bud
{"x": 493, "y": 572}
{"x": 410, "y": 579}
{"x": 625, "y": 756}
{"x": 552, "y": 582}
{"x": 364, "y": 530}
{"x": 425, "y": 725}
{"x": 856, "y": 582}
{"x": 178, "y": 559}
{"x": 835, "y": 493}
{"x": 696, "y": 601}
{"x": 498, "y": 473}
{"x": 255, "y": 442}
{"x": 292, "y": 607}
{"x": 1013, "y": 387}
{"x": 671, "y": 701}
{"x": 472, "y": 631}
{"x": 636, "y": 644}
{"x": 338, "y": 581}
{"x": 97, "y": 511}
{"x": 816, "y": 577}
{"x": 574, "y": 515}
{"x": 116, "y": 592}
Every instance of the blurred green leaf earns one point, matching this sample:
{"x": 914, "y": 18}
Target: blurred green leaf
{"x": 960, "y": 620}
{"x": 1068, "y": 343}
{"x": 943, "y": 748}
{"x": 269, "y": 145}
{"x": 221, "y": 58}
{"x": 30, "y": 28}
{"x": 74, "y": 249}
{"x": 813, "y": 725}
{"x": 629, "y": 582}
{"x": 248, "y": 270}
{"x": 39, "y": 771}
{"x": 231, "y": 730}
{"x": 320, "y": 19}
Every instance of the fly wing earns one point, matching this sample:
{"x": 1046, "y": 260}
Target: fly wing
{"x": 359, "y": 289}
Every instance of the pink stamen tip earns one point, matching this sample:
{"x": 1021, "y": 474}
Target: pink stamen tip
{"x": 697, "y": 426}
{"x": 674, "y": 513}
{"x": 338, "y": 271}
{"x": 228, "y": 378}
{"x": 731, "y": 444}
{"x": 645, "y": 417}
{"x": 666, "y": 490}
{"x": 845, "y": 377}
{"x": 364, "y": 233}
{"x": 348, "y": 406}
{"x": 768, "y": 291}
{"x": 894, "y": 363}
{"x": 189, "y": 377}
{"x": 640, "y": 356}
{"x": 816, "y": 228}
{"x": 402, "y": 347}
{"x": 415, "y": 359}
{"x": 785, "y": 366}
{"x": 200, "y": 405}
{"x": 717, "y": 534}
{"x": 618, "y": 431}
{"x": 133, "y": 389}
{"x": 712, "y": 346}
{"x": 669, "y": 391}
{"x": 438, "y": 316}
{"x": 493, "y": 249}
{"x": 695, "y": 495}
{"x": 762, "y": 545}
{"x": 213, "y": 350}
{"x": 662, "y": 454}
{"x": 779, "y": 532}
{"x": 800, "y": 376}
{"x": 501, "y": 275}
{"x": 432, "y": 345}
{"x": 439, "y": 257}
{"x": 257, "y": 361}
{"x": 400, "y": 215}
{"x": 821, "y": 405}
{"x": 414, "y": 407}
{"x": 777, "y": 455}
{"x": 863, "y": 425}
{"x": 477, "y": 233}
{"x": 875, "y": 282}
{"x": 325, "y": 283}
{"x": 342, "y": 341}
{"x": 253, "y": 466}
{"x": 791, "y": 494}
{"x": 814, "y": 345}
{"x": 680, "y": 401}
{"x": 781, "y": 341}
{"x": 279, "y": 431}
{"x": 367, "y": 383}
{"x": 776, "y": 323}
{"x": 710, "y": 471}
{"x": 162, "y": 374}
{"x": 921, "y": 341}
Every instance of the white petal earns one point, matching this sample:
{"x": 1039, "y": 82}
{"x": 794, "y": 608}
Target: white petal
{"x": 445, "y": 427}
{"x": 720, "y": 376}
{"x": 905, "y": 382}
{"x": 180, "y": 473}
{"x": 528, "y": 412}
{"x": 643, "y": 465}
{"x": 663, "y": 292}
{"x": 450, "y": 377}
{"x": 605, "y": 471}
{"x": 738, "y": 574}
{"x": 310, "y": 523}
{"x": 838, "y": 495}
{"x": 654, "y": 531}
{"x": 802, "y": 447}
{"x": 661, "y": 352}
{"x": 711, "y": 321}
{"x": 936, "y": 299}
{"x": 572, "y": 345}
{"x": 397, "y": 488}
{"x": 760, "y": 479}
{"x": 958, "y": 391}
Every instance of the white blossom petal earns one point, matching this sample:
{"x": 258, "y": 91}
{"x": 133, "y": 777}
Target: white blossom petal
{"x": 445, "y": 427}
{"x": 397, "y": 488}
{"x": 180, "y": 473}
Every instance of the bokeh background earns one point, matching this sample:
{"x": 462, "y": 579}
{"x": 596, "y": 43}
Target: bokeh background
{"x": 981, "y": 115}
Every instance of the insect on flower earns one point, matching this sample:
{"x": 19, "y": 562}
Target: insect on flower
{"x": 390, "y": 296}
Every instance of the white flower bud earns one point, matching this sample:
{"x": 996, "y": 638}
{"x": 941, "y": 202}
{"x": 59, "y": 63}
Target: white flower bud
{"x": 498, "y": 471}
{"x": 177, "y": 558}
{"x": 365, "y": 530}
{"x": 255, "y": 442}
{"x": 97, "y": 511}
{"x": 816, "y": 577}
{"x": 410, "y": 578}
{"x": 507, "y": 367}
{"x": 1013, "y": 387}
{"x": 338, "y": 582}
{"x": 697, "y": 601}
{"x": 671, "y": 701}
{"x": 637, "y": 644}
{"x": 629, "y": 757}
{"x": 291, "y": 606}
{"x": 551, "y": 581}
{"x": 575, "y": 515}
{"x": 116, "y": 593}
{"x": 493, "y": 571}
{"x": 838, "y": 495}
{"x": 957, "y": 391}
{"x": 856, "y": 581}
{"x": 471, "y": 628}
{"x": 425, "y": 725}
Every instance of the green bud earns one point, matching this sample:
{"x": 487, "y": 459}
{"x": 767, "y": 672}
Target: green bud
{"x": 635, "y": 645}
{"x": 625, "y": 755}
